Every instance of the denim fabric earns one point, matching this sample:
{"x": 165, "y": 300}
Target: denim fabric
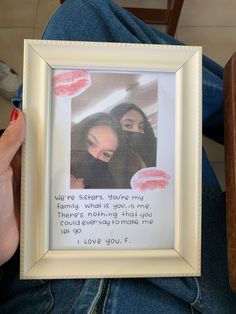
{"x": 103, "y": 20}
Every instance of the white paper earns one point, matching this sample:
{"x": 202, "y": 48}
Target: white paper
{"x": 113, "y": 218}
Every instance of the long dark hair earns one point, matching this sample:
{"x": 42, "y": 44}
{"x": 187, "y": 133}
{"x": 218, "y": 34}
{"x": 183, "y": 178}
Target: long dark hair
{"x": 150, "y": 140}
{"x": 79, "y": 138}
{"x": 79, "y": 131}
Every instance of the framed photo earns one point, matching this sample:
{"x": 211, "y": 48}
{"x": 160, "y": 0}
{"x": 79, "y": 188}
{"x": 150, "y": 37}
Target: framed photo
{"x": 111, "y": 174}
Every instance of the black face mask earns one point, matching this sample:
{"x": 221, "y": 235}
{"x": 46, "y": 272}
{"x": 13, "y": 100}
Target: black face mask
{"x": 95, "y": 172}
{"x": 137, "y": 142}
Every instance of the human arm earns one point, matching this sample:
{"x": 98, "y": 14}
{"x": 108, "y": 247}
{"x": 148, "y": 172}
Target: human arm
{"x": 76, "y": 183}
{"x": 10, "y": 143}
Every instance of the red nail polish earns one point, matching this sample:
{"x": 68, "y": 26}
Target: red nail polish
{"x": 14, "y": 115}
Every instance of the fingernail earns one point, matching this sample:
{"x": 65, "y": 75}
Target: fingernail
{"x": 14, "y": 115}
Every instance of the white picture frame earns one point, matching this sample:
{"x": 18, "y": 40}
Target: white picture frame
{"x": 38, "y": 260}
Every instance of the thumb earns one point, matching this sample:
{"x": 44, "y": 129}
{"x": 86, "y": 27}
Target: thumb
{"x": 11, "y": 140}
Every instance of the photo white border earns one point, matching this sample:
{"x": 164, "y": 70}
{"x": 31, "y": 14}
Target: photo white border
{"x": 37, "y": 260}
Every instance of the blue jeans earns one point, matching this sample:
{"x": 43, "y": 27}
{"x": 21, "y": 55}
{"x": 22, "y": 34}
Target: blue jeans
{"x": 103, "y": 20}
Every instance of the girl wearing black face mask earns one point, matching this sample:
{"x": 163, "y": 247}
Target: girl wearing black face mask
{"x": 94, "y": 142}
{"x": 137, "y": 131}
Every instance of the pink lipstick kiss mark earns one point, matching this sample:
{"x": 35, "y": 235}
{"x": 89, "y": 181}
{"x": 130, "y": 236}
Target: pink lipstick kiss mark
{"x": 150, "y": 179}
{"x": 69, "y": 83}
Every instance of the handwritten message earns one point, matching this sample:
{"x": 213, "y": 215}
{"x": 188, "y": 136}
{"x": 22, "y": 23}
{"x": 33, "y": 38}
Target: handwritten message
{"x": 111, "y": 220}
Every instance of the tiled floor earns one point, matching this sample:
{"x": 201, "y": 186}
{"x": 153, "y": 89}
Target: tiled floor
{"x": 210, "y": 24}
